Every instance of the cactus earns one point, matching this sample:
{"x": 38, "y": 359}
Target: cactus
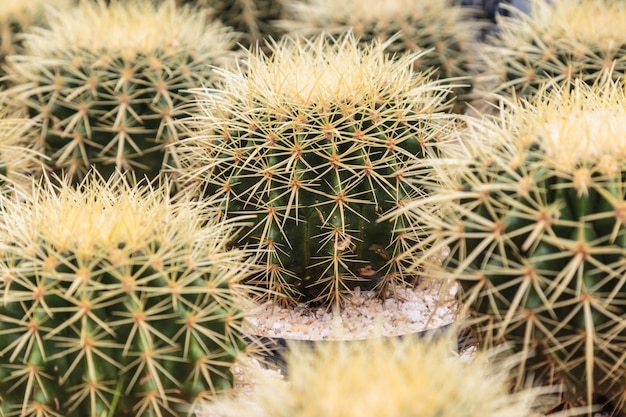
{"x": 314, "y": 140}
{"x": 555, "y": 42}
{"x": 17, "y": 161}
{"x": 254, "y": 19}
{"x": 384, "y": 378}
{"x": 443, "y": 28}
{"x": 17, "y": 16}
{"x": 531, "y": 213}
{"x": 116, "y": 300}
{"x": 108, "y": 83}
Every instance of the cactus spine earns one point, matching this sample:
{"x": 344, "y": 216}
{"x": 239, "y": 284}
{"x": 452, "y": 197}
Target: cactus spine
{"x": 108, "y": 83}
{"x": 533, "y": 219}
{"x": 314, "y": 141}
{"x": 116, "y": 301}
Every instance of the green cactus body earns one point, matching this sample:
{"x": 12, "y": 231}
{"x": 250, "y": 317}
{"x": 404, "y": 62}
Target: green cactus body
{"x": 556, "y": 42}
{"x": 314, "y": 142}
{"x": 444, "y": 29}
{"x": 535, "y": 229}
{"x": 116, "y": 299}
{"x": 108, "y": 83}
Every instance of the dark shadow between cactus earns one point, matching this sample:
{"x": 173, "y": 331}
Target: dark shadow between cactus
{"x": 273, "y": 350}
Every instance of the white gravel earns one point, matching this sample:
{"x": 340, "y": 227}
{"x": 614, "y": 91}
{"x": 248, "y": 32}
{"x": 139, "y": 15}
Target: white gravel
{"x": 363, "y": 314}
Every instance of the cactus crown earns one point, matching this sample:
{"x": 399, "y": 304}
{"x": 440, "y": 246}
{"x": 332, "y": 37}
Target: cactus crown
{"x": 314, "y": 140}
{"x": 443, "y": 29}
{"x": 320, "y": 72}
{"x": 556, "y": 42}
{"x": 127, "y": 29}
{"x": 596, "y": 118}
{"x": 96, "y": 220}
{"x": 358, "y": 12}
{"x": 583, "y": 23}
{"x": 386, "y": 378}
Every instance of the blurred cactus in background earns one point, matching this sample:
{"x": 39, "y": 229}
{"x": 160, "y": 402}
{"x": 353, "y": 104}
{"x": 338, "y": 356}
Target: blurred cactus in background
{"x": 380, "y": 377}
{"x": 106, "y": 84}
{"x": 445, "y": 30}
{"x": 253, "y": 19}
{"x": 556, "y": 42}
{"x": 16, "y": 16}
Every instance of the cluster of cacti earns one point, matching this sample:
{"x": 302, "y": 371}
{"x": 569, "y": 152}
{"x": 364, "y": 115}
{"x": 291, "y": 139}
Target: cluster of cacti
{"x": 107, "y": 84}
{"x": 314, "y": 140}
{"x": 531, "y": 213}
{"x": 385, "y": 378}
{"x": 255, "y": 20}
{"x": 444, "y": 29}
{"x": 19, "y": 15}
{"x": 556, "y": 42}
{"x": 116, "y": 301}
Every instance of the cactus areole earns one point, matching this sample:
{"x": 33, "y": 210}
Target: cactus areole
{"x": 315, "y": 142}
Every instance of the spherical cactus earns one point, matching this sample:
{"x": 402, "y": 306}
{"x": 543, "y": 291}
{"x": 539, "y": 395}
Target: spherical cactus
{"x": 554, "y": 42}
{"x": 443, "y": 28}
{"x": 108, "y": 83}
{"x": 531, "y": 211}
{"x": 384, "y": 378}
{"x": 116, "y": 300}
{"x": 19, "y": 15}
{"x": 253, "y": 19}
{"x": 314, "y": 140}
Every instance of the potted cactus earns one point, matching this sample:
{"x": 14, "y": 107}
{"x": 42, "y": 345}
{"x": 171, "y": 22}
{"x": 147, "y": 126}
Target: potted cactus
{"x": 531, "y": 211}
{"x": 117, "y": 301}
{"x": 314, "y": 141}
{"x": 107, "y": 83}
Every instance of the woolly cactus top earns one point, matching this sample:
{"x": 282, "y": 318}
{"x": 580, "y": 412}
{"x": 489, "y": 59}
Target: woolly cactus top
{"x": 326, "y": 70}
{"x": 600, "y": 23}
{"x": 358, "y": 11}
{"x": 390, "y": 378}
{"x": 128, "y": 29}
{"x": 108, "y": 218}
{"x": 10, "y": 9}
{"x": 582, "y": 127}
